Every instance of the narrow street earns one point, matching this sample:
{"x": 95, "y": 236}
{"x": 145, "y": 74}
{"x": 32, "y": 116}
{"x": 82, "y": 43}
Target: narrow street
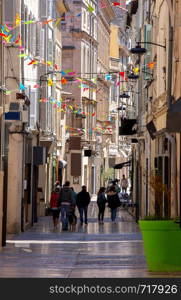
{"x": 109, "y": 250}
{"x": 102, "y": 251}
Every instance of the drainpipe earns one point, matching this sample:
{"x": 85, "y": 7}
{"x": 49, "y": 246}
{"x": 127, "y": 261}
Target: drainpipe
{"x": 173, "y": 175}
{"x": 170, "y": 56}
{"x": 169, "y": 102}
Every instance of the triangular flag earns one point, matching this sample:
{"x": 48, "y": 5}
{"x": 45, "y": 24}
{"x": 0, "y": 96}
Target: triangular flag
{"x": 63, "y": 80}
{"x": 22, "y": 87}
{"x": 90, "y": 8}
{"x": 50, "y": 82}
{"x": 151, "y": 65}
{"x": 36, "y": 86}
{"x": 122, "y": 74}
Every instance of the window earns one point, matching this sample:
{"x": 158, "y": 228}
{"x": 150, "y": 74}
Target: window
{"x": 95, "y": 29}
{"x": 88, "y": 61}
{"x": 50, "y": 8}
{"x": 33, "y": 108}
{"x": 9, "y": 14}
{"x": 63, "y": 21}
{"x": 43, "y": 8}
{"x": 50, "y": 45}
{"x": 84, "y": 19}
{"x": 88, "y": 22}
{"x": 42, "y": 43}
{"x": 84, "y": 60}
{"x": 148, "y": 30}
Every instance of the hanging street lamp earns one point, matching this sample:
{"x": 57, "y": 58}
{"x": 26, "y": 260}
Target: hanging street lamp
{"x": 133, "y": 76}
{"x": 124, "y": 95}
{"x": 139, "y": 50}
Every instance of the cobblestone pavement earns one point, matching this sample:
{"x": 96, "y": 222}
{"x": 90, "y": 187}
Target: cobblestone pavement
{"x": 93, "y": 250}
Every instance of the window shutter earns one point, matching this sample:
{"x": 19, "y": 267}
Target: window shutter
{"x": 76, "y": 164}
{"x": 38, "y": 34}
{"x": 34, "y": 40}
{"x": 9, "y": 11}
{"x": 33, "y": 108}
{"x": 42, "y": 43}
{"x": 148, "y": 29}
{"x": 43, "y": 9}
{"x": 75, "y": 143}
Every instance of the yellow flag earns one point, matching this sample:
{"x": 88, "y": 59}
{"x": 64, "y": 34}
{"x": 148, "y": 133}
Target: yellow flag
{"x": 136, "y": 70}
{"x": 50, "y": 82}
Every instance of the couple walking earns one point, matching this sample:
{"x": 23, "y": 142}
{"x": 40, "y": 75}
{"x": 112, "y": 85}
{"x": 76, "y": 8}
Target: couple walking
{"x": 65, "y": 200}
{"x": 112, "y": 200}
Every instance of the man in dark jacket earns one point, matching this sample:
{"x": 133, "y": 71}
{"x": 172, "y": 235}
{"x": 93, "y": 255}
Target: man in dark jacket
{"x": 82, "y": 201}
{"x": 65, "y": 200}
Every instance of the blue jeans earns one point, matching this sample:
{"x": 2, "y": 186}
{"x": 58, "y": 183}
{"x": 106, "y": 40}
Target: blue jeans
{"x": 83, "y": 212}
{"x": 64, "y": 216}
{"x": 113, "y": 214}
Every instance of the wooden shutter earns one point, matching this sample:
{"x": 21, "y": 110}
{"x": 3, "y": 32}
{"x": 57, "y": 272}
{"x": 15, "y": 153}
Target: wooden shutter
{"x": 75, "y": 143}
{"x": 9, "y": 11}
{"x": 148, "y": 38}
{"x": 76, "y": 164}
{"x": 43, "y": 9}
{"x": 33, "y": 108}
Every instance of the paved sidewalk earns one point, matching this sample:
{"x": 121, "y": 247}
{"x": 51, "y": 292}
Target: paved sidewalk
{"x": 109, "y": 250}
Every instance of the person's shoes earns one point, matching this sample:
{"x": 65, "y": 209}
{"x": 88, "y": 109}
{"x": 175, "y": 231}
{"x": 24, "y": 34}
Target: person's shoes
{"x": 81, "y": 223}
{"x": 65, "y": 228}
{"x": 86, "y": 223}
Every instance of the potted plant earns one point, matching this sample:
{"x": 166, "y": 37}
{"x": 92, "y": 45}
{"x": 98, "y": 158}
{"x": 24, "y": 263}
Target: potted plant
{"x": 161, "y": 235}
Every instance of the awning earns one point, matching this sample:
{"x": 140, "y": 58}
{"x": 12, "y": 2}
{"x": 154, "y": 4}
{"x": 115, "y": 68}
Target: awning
{"x": 151, "y": 129}
{"x": 121, "y": 165}
{"x": 174, "y": 117}
{"x": 128, "y": 127}
{"x": 49, "y": 143}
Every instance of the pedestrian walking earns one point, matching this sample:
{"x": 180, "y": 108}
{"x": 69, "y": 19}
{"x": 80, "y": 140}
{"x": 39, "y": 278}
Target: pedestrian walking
{"x": 83, "y": 200}
{"x": 54, "y": 205}
{"x": 74, "y": 195}
{"x": 124, "y": 184}
{"x": 72, "y": 215}
{"x": 113, "y": 202}
{"x": 101, "y": 202}
{"x": 65, "y": 201}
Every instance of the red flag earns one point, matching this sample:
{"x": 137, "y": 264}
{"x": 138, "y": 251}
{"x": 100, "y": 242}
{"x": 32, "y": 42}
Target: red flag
{"x": 116, "y": 3}
{"x": 4, "y": 35}
{"x": 31, "y": 62}
{"x": 18, "y": 39}
{"x": 121, "y": 74}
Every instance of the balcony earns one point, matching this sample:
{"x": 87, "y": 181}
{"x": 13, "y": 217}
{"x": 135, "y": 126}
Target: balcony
{"x": 114, "y": 64}
{"x": 113, "y": 150}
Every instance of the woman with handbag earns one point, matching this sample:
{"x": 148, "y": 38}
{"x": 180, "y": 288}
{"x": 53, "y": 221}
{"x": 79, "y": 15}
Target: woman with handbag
{"x": 54, "y": 204}
{"x": 113, "y": 202}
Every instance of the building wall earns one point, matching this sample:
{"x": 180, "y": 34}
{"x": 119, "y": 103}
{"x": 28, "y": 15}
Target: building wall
{"x": 80, "y": 55}
{"x": 114, "y": 50}
{"x": 14, "y": 183}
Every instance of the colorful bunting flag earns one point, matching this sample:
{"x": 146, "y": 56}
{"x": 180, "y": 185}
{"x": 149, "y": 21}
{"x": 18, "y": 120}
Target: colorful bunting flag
{"x": 22, "y": 87}
{"x": 50, "y": 82}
